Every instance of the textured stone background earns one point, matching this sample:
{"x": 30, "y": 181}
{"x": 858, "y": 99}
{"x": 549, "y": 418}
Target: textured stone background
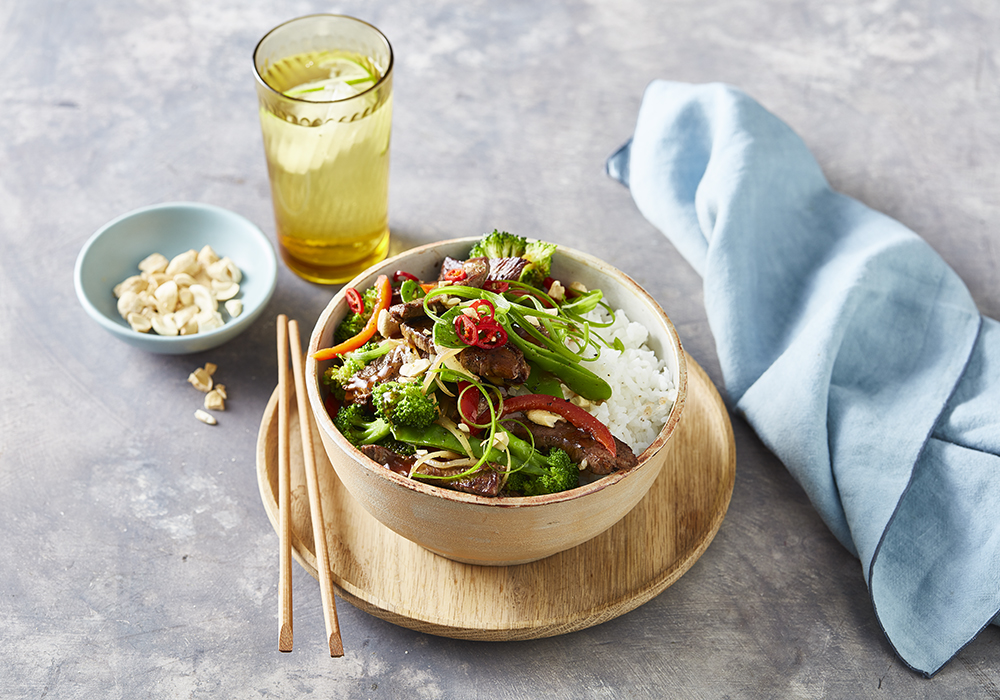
{"x": 139, "y": 561}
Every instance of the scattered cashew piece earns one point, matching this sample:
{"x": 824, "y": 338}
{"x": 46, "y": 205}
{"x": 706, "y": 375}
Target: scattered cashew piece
{"x": 214, "y": 401}
{"x": 201, "y": 380}
{"x": 205, "y": 417}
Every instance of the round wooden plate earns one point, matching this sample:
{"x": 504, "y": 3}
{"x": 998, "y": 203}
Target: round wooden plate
{"x": 388, "y": 576}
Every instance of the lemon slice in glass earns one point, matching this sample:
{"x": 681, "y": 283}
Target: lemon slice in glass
{"x": 347, "y": 78}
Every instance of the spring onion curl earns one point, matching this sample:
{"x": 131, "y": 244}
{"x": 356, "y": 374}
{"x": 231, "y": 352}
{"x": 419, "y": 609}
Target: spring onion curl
{"x": 470, "y": 447}
{"x": 552, "y": 473}
{"x": 549, "y": 353}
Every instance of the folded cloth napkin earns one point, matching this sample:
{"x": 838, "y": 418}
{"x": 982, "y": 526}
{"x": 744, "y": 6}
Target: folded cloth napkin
{"x": 853, "y": 350}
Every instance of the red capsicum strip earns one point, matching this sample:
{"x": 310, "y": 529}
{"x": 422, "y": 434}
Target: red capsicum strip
{"x": 574, "y": 414}
{"x": 384, "y": 287}
{"x": 468, "y": 404}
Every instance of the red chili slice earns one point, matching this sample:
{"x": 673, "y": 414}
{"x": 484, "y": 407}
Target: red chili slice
{"x": 400, "y": 275}
{"x": 466, "y": 329}
{"x": 456, "y": 274}
{"x": 574, "y": 414}
{"x": 490, "y": 335}
{"x": 496, "y": 286}
{"x": 478, "y": 306}
{"x": 384, "y": 287}
{"x": 354, "y": 300}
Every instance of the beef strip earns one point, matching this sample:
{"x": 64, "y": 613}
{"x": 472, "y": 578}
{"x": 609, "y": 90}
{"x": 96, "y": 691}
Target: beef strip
{"x": 390, "y": 322}
{"x": 419, "y": 333}
{"x": 381, "y": 369}
{"x": 485, "y": 482}
{"x": 406, "y": 310}
{"x": 506, "y": 362}
{"x": 401, "y": 464}
{"x": 506, "y": 269}
{"x": 476, "y": 271}
{"x": 577, "y": 443}
{"x": 496, "y": 269}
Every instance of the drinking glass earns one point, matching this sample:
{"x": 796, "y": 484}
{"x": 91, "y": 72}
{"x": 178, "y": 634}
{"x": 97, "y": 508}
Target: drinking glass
{"x": 324, "y": 86}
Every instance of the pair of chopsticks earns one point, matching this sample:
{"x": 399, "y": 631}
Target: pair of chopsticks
{"x": 288, "y": 333}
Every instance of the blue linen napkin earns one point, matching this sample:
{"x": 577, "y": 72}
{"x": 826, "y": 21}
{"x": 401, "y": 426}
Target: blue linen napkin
{"x": 852, "y": 349}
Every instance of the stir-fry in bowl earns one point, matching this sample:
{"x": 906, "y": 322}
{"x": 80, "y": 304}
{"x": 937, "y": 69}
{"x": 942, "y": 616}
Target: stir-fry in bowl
{"x": 495, "y": 400}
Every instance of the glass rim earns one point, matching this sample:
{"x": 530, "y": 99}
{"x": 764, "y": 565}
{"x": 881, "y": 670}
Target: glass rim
{"x": 379, "y": 82}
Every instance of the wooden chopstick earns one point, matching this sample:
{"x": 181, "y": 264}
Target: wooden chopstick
{"x": 284, "y": 494}
{"x": 315, "y": 504}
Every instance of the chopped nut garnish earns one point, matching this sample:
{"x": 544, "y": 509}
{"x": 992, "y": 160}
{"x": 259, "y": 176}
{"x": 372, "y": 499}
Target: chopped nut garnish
{"x": 138, "y": 322}
{"x": 542, "y": 417}
{"x": 207, "y": 256}
{"x": 185, "y": 262}
{"x": 164, "y": 325}
{"x": 182, "y": 292}
{"x": 500, "y": 441}
{"x": 234, "y": 307}
{"x": 557, "y": 291}
{"x": 384, "y": 322}
{"x": 224, "y": 291}
{"x": 154, "y": 263}
{"x": 415, "y": 368}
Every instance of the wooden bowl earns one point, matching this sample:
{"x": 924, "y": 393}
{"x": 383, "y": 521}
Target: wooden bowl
{"x": 498, "y": 531}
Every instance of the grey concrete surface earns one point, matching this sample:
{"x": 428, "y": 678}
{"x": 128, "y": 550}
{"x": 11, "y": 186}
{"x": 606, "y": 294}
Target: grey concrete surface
{"x": 138, "y": 560}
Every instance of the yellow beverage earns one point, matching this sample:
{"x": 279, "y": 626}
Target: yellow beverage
{"x": 326, "y": 129}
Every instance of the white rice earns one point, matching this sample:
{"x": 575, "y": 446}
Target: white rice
{"x": 643, "y": 387}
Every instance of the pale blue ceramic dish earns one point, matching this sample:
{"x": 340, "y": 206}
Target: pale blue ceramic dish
{"x": 114, "y": 251}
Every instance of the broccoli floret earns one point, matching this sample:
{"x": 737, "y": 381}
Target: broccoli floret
{"x": 359, "y": 426}
{"x": 541, "y": 474}
{"x": 404, "y": 404}
{"x": 397, "y": 446}
{"x": 499, "y": 244}
{"x": 539, "y": 257}
{"x": 355, "y": 323}
{"x": 338, "y": 376}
